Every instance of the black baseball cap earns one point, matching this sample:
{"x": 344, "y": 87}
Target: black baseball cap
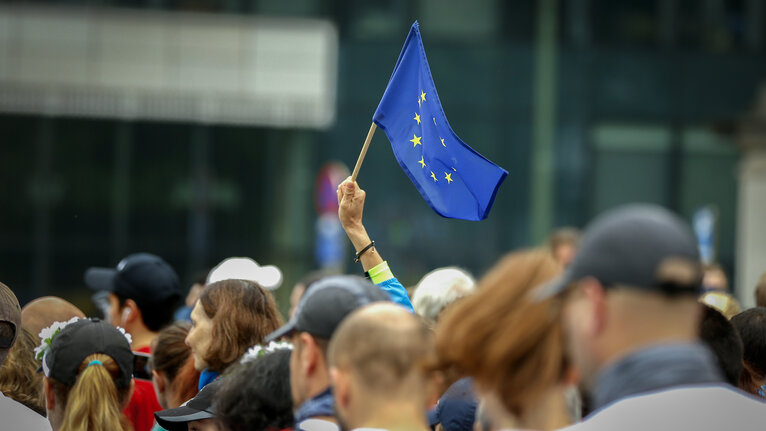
{"x": 142, "y": 277}
{"x": 639, "y": 246}
{"x": 81, "y": 339}
{"x": 198, "y": 408}
{"x": 327, "y": 303}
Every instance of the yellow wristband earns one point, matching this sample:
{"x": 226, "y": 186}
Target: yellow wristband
{"x": 380, "y": 273}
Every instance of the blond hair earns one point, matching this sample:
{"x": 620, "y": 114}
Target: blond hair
{"x": 94, "y": 401}
{"x": 512, "y": 344}
{"x": 19, "y": 378}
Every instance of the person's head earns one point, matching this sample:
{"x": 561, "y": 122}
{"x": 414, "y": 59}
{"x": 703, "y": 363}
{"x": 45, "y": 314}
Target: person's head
{"x": 377, "y": 360}
{"x": 10, "y": 321}
{"x": 229, "y": 317}
{"x": 143, "y": 292}
{"x": 508, "y": 341}
{"x": 563, "y": 243}
{"x": 319, "y": 313}
{"x": 760, "y": 291}
{"x": 633, "y": 284}
{"x": 440, "y": 288}
{"x": 42, "y": 312}
{"x": 197, "y": 414}
{"x": 19, "y": 378}
{"x": 88, "y": 377}
{"x": 714, "y": 278}
{"x": 722, "y": 301}
{"x": 751, "y": 325}
{"x": 721, "y": 337}
{"x": 256, "y": 394}
{"x": 456, "y": 409}
{"x": 301, "y": 287}
{"x": 173, "y": 373}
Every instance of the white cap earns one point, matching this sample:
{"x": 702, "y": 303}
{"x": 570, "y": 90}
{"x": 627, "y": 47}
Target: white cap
{"x": 243, "y": 268}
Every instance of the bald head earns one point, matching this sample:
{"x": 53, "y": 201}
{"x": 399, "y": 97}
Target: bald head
{"x": 42, "y": 312}
{"x": 382, "y": 345}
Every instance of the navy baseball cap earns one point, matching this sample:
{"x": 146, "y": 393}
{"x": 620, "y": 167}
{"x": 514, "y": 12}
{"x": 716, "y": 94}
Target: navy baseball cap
{"x": 327, "y": 303}
{"x": 639, "y": 246}
{"x": 142, "y": 277}
{"x": 456, "y": 410}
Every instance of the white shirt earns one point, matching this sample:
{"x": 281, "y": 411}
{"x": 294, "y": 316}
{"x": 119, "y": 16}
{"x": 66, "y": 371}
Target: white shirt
{"x": 317, "y": 425}
{"x": 18, "y": 417}
{"x": 697, "y": 408}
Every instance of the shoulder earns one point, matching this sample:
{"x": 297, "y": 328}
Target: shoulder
{"x": 18, "y": 416}
{"x": 692, "y": 407}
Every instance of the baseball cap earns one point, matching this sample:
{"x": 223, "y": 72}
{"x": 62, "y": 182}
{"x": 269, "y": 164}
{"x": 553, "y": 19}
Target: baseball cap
{"x": 456, "y": 409}
{"x": 142, "y": 277}
{"x": 640, "y": 246}
{"x": 198, "y": 408}
{"x": 10, "y": 312}
{"x": 243, "y": 268}
{"x": 327, "y": 303}
{"x": 81, "y": 339}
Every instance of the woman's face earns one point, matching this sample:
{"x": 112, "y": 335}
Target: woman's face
{"x": 203, "y": 425}
{"x": 199, "y": 336}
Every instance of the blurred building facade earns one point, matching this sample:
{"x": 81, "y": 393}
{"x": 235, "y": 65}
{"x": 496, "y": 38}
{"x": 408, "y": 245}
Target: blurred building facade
{"x": 645, "y": 96}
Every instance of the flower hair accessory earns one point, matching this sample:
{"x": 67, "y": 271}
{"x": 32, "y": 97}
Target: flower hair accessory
{"x": 48, "y": 334}
{"x": 259, "y": 350}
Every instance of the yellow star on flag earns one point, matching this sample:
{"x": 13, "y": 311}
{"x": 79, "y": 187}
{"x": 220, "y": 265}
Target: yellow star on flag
{"x": 434, "y": 176}
{"x": 422, "y": 162}
{"x": 418, "y": 102}
{"x": 448, "y": 177}
{"x": 415, "y": 140}
{"x": 442, "y": 139}
{"x": 454, "y": 169}
{"x": 417, "y": 118}
{"x": 434, "y": 120}
{"x": 423, "y": 96}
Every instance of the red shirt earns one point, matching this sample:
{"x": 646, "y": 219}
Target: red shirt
{"x": 143, "y": 403}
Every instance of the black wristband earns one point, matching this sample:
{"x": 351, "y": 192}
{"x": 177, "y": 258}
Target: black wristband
{"x": 362, "y": 251}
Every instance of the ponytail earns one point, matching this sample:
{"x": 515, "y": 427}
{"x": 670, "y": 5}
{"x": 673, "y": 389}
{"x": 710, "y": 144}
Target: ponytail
{"x": 94, "y": 402}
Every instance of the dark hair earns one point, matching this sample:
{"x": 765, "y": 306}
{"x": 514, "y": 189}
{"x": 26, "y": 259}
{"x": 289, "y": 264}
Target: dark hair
{"x": 751, "y": 325}
{"x": 723, "y": 339}
{"x": 256, "y": 395}
{"x": 247, "y": 315}
{"x": 171, "y": 356}
{"x": 156, "y": 314}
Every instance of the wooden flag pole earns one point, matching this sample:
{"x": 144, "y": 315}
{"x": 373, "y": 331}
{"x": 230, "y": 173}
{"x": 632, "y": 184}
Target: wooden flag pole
{"x": 364, "y": 151}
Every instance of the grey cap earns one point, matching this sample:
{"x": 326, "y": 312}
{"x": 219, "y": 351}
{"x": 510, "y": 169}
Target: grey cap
{"x": 640, "y": 246}
{"x": 327, "y": 303}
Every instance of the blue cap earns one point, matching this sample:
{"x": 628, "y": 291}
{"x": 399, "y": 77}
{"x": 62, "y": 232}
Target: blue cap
{"x": 456, "y": 410}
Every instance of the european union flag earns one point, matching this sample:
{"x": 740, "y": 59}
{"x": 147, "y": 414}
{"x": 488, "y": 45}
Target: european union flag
{"x": 455, "y": 180}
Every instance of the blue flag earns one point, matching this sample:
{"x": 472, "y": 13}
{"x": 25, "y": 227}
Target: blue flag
{"x": 455, "y": 180}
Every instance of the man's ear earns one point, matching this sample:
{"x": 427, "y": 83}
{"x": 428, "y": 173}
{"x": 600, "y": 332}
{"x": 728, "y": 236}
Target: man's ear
{"x": 340, "y": 386}
{"x": 131, "y": 312}
{"x": 309, "y": 352}
{"x": 50, "y": 398}
{"x": 596, "y": 295}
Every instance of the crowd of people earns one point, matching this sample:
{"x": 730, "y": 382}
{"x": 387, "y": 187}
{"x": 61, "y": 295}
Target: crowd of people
{"x": 608, "y": 330}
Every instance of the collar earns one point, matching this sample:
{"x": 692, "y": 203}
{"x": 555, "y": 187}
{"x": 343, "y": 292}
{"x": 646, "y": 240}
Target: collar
{"x": 323, "y": 404}
{"x": 653, "y": 369}
{"x": 207, "y": 376}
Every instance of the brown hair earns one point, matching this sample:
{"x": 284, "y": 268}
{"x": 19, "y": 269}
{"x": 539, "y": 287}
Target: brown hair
{"x": 243, "y": 313}
{"x": 172, "y": 357}
{"x": 94, "y": 402}
{"x": 512, "y": 344}
{"x": 19, "y": 378}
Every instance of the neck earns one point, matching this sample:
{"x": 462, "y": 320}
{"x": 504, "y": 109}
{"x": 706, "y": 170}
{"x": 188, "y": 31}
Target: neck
{"x": 548, "y": 413}
{"x": 317, "y": 384}
{"x": 142, "y": 337}
{"x": 393, "y": 415}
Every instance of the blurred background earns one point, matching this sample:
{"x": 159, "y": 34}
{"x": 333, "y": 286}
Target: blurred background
{"x": 202, "y": 129}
